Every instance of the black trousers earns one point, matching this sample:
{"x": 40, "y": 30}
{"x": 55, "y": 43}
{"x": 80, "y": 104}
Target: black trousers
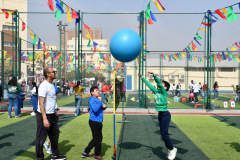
{"x": 196, "y": 96}
{"x": 96, "y": 128}
{"x": 42, "y": 132}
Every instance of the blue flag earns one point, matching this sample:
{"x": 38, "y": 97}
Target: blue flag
{"x": 152, "y": 16}
{"x": 197, "y": 41}
{"x": 78, "y": 19}
{"x": 22, "y": 54}
{"x": 212, "y": 14}
{"x": 211, "y": 20}
{"x": 68, "y": 59}
{"x": 39, "y": 42}
{"x": 58, "y": 6}
{"x": 94, "y": 44}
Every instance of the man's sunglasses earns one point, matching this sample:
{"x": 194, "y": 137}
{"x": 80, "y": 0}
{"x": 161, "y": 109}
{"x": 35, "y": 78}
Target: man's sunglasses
{"x": 53, "y": 72}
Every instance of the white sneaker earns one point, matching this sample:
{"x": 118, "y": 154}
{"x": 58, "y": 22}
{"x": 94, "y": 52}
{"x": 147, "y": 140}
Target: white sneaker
{"x": 33, "y": 114}
{"x": 46, "y": 146}
{"x": 172, "y": 154}
{"x": 19, "y": 115}
{"x": 49, "y": 151}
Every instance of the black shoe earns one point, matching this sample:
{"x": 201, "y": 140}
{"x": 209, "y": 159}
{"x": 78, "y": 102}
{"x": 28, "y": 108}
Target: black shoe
{"x": 59, "y": 157}
{"x": 197, "y": 102}
{"x": 98, "y": 157}
{"x": 86, "y": 155}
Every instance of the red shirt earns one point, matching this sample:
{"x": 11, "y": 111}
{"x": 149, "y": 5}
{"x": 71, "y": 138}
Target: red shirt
{"x": 73, "y": 84}
{"x": 205, "y": 87}
{"x": 105, "y": 88}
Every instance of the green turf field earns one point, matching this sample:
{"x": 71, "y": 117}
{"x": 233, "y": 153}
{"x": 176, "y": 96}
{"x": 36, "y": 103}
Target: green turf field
{"x": 196, "y": 137}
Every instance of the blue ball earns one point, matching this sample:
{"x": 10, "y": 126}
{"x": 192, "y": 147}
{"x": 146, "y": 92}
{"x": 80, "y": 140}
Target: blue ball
{"x": 125, "y": 45}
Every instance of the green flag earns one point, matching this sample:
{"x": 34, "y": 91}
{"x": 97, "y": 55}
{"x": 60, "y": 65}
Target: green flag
{"x": 174, "y": 58}
{"x": 189, "y": 49}
{"x": 231, "y": 15}
{"x": 148, "y": 14}
{"x": 229, "y": 54}
{"x": 212, "y": 59}
{"x": 198, "y": 37}
{"x": 180, "y": 56}
{"x": 72, "y": 59}
{"x": 191, "y": 58}
{"x": 234, "y": 59}
{"x": 98, "y": 59}
{"x": 52, "y": 53}
{"x": 34, "y": 40}
{"x": 89, "y": 42}
{"x": 58, "y": 13}
{"x": 100, "y": 55}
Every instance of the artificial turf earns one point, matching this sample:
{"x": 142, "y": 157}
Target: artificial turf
{"x": 4, "y": 120}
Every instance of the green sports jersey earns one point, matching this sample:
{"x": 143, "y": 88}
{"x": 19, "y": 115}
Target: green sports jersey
{"x": 160, "y": 96}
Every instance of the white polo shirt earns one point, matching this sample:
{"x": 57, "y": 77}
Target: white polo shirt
{"x": 48, "y": 91}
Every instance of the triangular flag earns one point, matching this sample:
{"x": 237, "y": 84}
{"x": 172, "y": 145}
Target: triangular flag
{"x": 158, "y": 6}
{"x": 237, "y": 58}
{"x": 32, "y": 35}
{"x": 153, "y": 17}
{"x": 206, "y": 24}
{"x": 183, "y": 54}
{"x": 232, "y": 48}
{"x": 220, "y": 14}
{"x": 86, "y": 27}
{"x": 50, "y": 4}
{"x": 161, "y": 4}
{"x": 215, "y": 58}
{"x": 6, "y": 13}
{"x": 34, "y": 40}
{"x": 150, "y": 21}
{"x": 23, "y": 26}
{"x": 89, "y": 43}
{"x": 69, "y": 15}
{"x": 198, "y": 37}
{"x": 58, "y": 13}
{"x": 231, "y": 15}
{"x": 224, "y": 11}
{"x": 44, "y": 46}
{"x": 52, "y": 53}
{"x": 219, "y": 57}
{"x": 5, "y": 53}
{"x": 148, "y": 15}
{"x": 194, "y": 59}
{"x": 193, "y": 46}
{"x": 234, "y": 59}
{"x": 212, "y": 14}
{"x": 210, "y": 19}
{"x": 58, "y": 6}
{"x": 229, "y": 54}
{"x": 78, "y": 19}
{"x": 89, "y": 36}
{"x": 180, "y": 57}
{"x": 197, "y": 41}
{"x": 189, "y": 50}
{"x": 224, "y": 57}
{"x": 94, "y": 44}
{"x": 237, "y": 45}
{"x": 202, "y": 29}
{"x": 74, "y": 14}
{"x": 39, "y": 43}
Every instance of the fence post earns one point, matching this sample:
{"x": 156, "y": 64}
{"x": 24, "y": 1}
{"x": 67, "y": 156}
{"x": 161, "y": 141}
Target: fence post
{"x": 2, "y": 61}
{"x": 142, "y": 60}
{"x": 208, "y": 40}
{"x": 19, "y": 59}
{"x": 16, "y": 36}
{"x": 61, "y": 55}
{"x": 139, "y": 58}
{"x": 79, "y": 43}
{"x": 33, "y": 59}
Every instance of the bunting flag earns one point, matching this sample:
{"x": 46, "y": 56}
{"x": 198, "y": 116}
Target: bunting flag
{"x": 158, "y": 6}
{"x": 180, "y": 57}
{"x": 32, "y": 35}
{"x": 183, "y": 54}
{"x": 162, "y": 56}
{"x": 44, "y": 46}
{"x": 161, "y": 4}
{"x": 206, "y": 24}
{"x": 189, "y": 50}
{"x": 89, "y": 36}
{"x": 220, "y": 14}
{"x": 68, "y": 59}
{"x": 89, "y": 43}
{"x": 58, "y": 6}
{"x": 234, "y": 59}
{"x": 6, "y": 13}
{"x": 197, "y": 41}
{"x": 58, "y": 12}
{"x": 39, "y": 43}
{"x": 231, "y": 15}
{"x": 69, "y": 15}
{"x": 194, "y": 46}
{"x": 50, "y": 4}
{"x": 194, "y": 59}
{"x": 224, "y": 11}
{"x": 52, "y": 53}
{"x": 86, "y": 27}
{"x": 173, "y": 58}
{"x": 94, "y": 44}
{"x": 74, "y": 14}
{"x": 229, "y": 54}
{"x": 232, "y": 48}
{"x": 219, "y": 57}
{"x": 237, "y": 59}
{"x": 198, "y": 37}
{"x": 23, "y": 26}
{"x": 148, "y": 15}
{"x": 202, "y": 29}
{"x": 210, "y": 19}
{"x": 212, "y": 14}
{"x": 237, "y": 45}
{"x": 5, "y": 53}
{"x": 215, "y": 58}
{"x": 153, "y": 17}
{"x": 77, "y": 19}
{"x": 150, "y": 21}
{"x": 34, "y": 41}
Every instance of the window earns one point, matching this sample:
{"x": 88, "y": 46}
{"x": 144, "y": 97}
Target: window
{"x": 102, "y": 45}
{"x": 84, "y": 46}
{"x": 200, "y": 69}
{"x": 226, "y": 69}
{"x": 70, "y": 46}
{"x": 10, "y": 44}
{"x": 11, "y": 28}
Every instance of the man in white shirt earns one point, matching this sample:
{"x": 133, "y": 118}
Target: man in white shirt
{"x": 195, "y": 91}
{"x": 46, "y": 116}
{"x": 173, "y": 90}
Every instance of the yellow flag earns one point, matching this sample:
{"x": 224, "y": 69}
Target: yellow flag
{"x": 237, "y": 58}
{"x": 158, "y": 6}
{"x": 167, "y": 57}
{"x": 68, "y": 15}
{"x": 225, "y": 11}
{"x": 5, "y": 53}
{"x": 194, "y": 59}
{"x": 233, "y": 49}
{"x": 215, "y": 58}
{"x": 98, "y": 50}
{"x": 183, "y": 54}
{"x": 47, "y": 47}
{"x": 203, "y": 60}
{"x": 11, "y": 12}
{"x": 45, "y": 52}
{"x": 202, "y": 29}
{"x": 32, "y": 35}
{"x": 88, "y": 35}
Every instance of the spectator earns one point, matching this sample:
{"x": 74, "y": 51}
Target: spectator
{"x": 178, "y": 89}
{"x": 200, "y": 89}
{"x": 111, "y": 88}
{"x": 173, "y": 90}
{"x": 195, "y": 90}
{"x": 105, "y": 91}
{"x": 215, "y": 87}
{"x": 20, "y": 100}
{"x": 64, "y": 87}
{"x": 78, "y": 92}
{"x": 191, "y": 90}
{"x": 236, "y": 92}
{"x": 34, "y": 98}
{"x": 205, "y": 89}
{"x": 13, "y": 89}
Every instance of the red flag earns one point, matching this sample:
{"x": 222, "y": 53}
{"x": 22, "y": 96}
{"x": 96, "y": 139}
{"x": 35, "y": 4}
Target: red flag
{"x": 220, "y": 14}
{"x": 193, "y": 46}
{"x": 6, "y": 13}
{"x": 161, "y": 4}
{"x": 150, "y": 21}
{"x": 86, "y": 27}
{"x": 162, "y": 56}
{"x": 44, "y": 46}
{"x": 95, "y": 49}
{"x": 237, "y": 45}
{"x": 50, "y": 4}
{"x": 206, "y": 24}
{"x": 74, "y": 14}
{"x": 219, "y": 57}
{"x": 23, "y": 26}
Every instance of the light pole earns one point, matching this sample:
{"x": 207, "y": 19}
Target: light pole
{"x": 61, "y": 27}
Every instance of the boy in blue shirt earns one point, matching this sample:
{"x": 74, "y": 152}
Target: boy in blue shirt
{"x": 95, "y": 123}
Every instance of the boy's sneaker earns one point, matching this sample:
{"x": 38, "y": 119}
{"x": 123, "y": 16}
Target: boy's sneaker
{"x": 46, "y": 145}
{"x": 49, "y": 151}
{"x": 19, "y": 115}
{"x": 33, "y": 114}
{"x": 98, "y": 157}
{"x": 9, "y": 116}
{"x": 59, "y": 157}
{"x": 86, "y": 155}
{"x": 172, "y": 154}
{"x": 16, "y": 117}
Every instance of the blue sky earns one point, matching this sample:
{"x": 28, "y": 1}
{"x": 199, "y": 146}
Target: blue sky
{"x": 170, "y": 32}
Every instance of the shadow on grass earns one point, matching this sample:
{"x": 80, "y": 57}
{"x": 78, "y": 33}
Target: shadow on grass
{"x": 7, "y": 135}
{"x": 105, "y": 147}
{"x": 5, "y": 144}
{"x": 234, "y": 145}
